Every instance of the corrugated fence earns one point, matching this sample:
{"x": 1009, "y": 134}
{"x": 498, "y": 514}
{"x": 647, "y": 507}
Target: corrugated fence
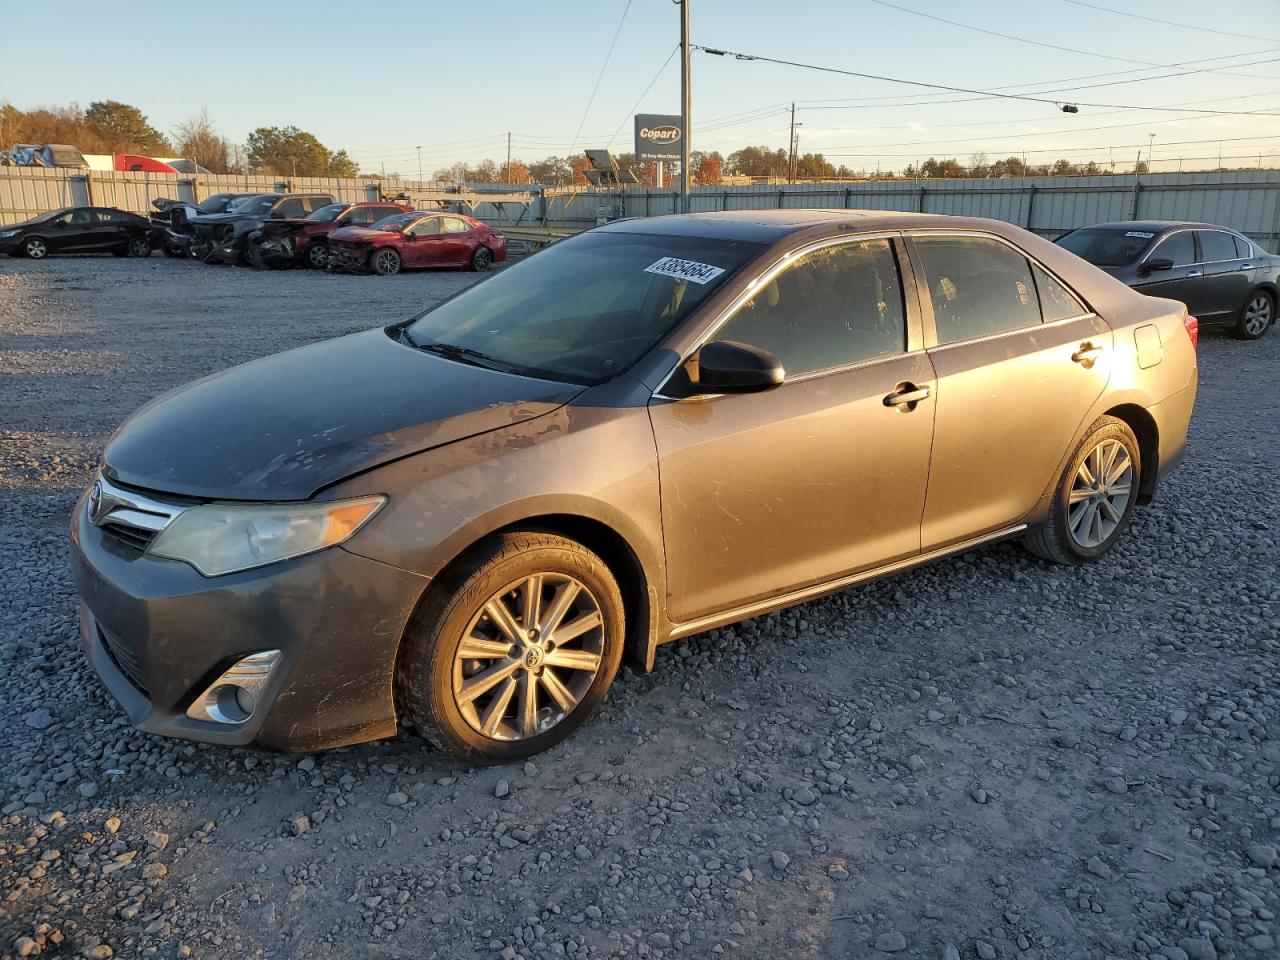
{"x": 1248, "y": 201}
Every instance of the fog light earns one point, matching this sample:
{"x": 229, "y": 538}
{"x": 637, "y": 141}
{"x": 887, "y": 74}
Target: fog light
{"x": 233, "y": 696}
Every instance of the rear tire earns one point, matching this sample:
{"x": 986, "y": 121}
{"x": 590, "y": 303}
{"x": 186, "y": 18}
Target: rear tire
{"x": 542, "y": 688}
{"x": 139, "y": 247}
{"x": 1089, "y": 513}
{"x": 1256, "y": 316}
{"x": 482, "y": 259}
{"x": 385, "y": 262}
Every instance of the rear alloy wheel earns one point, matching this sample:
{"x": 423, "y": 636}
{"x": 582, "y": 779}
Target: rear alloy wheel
{"x": 385, "y": 262}
{"x": 139, "y": 247}
{"x": 35, "y": 248}
{"x": 1095, "y": 497}
{"x": 515, "y": 651}
{"x": 482, "y": 259}
{"x": 317, "y": 256}
{"x": 1256, "y": 315}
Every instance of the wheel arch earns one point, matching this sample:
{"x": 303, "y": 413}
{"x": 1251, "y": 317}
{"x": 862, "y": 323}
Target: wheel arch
{"x": 1145, "y": 429}
{"x": 639, "y": 596}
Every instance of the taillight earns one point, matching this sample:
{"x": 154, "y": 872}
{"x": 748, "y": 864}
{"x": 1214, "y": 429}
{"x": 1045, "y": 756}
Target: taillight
{"x": 1193, "y": 329}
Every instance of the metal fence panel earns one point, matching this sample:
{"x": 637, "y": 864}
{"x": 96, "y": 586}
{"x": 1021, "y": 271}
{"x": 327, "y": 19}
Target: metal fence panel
{"x": 1248, "y": 201}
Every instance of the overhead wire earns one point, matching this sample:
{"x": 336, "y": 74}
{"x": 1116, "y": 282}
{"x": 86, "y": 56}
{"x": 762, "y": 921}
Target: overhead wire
{"x": 600, "y": 76}
{"x": 1162, "y": 21}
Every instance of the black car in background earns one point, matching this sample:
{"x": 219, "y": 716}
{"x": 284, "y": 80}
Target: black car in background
{"x": 1222, "y": 277}
{"x": 78, "y": 230}
{"x": 225, "y": 236}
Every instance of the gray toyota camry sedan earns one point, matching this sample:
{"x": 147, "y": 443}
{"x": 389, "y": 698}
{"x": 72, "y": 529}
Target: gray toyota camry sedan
{"x": 467, "y": 519}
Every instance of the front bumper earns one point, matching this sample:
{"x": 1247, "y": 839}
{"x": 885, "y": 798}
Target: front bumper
{"x": 349, "y": 257}
{"x": 158, "y": 632}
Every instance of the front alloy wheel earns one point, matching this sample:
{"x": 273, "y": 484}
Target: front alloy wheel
{"x": 35, "y": 248}
{"x": 317, "y": 256}
{"x": 513, "y": 648}
{"x": 1256, "y": 316}
{"x": 385, "y": 262}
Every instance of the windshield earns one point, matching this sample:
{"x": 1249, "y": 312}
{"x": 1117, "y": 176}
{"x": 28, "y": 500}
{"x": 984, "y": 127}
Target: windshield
{"x": 253, "y": 206}
{"x": 329, "y": 213}
{"x": 587, "y": 308}
{"x": 394, "y": 223}
{"x": 216, "y": 204}
{"x": 1113, "y": 247}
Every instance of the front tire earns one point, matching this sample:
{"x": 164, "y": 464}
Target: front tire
{"x": 317, "y": 256}
{"x": 513, "y": 650}
{"x": 385, "y": 262}
{"x": 1256, "y": 316}
{"x": 1094, "y": 499}
{"x": 35, "y": 248}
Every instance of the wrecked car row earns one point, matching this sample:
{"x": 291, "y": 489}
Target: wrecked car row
{"x": 312, "y": 230}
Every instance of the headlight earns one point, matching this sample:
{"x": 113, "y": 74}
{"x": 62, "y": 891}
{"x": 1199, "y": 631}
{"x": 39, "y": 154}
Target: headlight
{"x": 220, "y": 538}
{"x": 9, "y": 233}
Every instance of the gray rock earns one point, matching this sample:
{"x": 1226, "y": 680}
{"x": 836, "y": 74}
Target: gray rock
{"x": 779, "y": 860}
{"x": 1199, "y": 948}
{"x": 38, "y": 719}
{"x": 88, "y": 789}
{"x": 396, "y": 799}
{"x": 950, "y": 952}
{"x": 891, "y": 942}
{"x": 985, "y": 950}
{"x": 1098, "y": 868}
{"x": 501, "y": 789}
{"x": 1262, "y": 854}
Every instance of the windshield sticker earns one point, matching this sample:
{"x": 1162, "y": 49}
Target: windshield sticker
{"x": 691, "y": 270}
{"x": 1139, "y": 233}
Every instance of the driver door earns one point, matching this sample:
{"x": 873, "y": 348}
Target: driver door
{"x": 423, "y": 248}
{"x": 823, "y": 476}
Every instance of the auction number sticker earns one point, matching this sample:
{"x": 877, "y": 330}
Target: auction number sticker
{"x": 690, "y": 270}
{"x": 1139, "y": 233}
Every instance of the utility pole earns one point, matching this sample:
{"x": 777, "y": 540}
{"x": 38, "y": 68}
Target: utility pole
{"x": 419, "y": 166}
{"x": 508, "y": 156}
{"x": 685, "y": 111}
{"x": 791, "y": 148}
{"x": 1151, "y": 149}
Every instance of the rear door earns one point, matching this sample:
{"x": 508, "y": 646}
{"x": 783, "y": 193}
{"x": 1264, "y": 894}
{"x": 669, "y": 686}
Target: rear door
{"x": 458, "y": 241}
{"x": 1019, "y": 360}
{"x": 1184, "y": 280}
{"x": 1228, "y": 277}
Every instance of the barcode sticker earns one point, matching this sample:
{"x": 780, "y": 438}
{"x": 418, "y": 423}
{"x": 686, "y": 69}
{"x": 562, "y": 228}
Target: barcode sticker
{"x": 1139, "y": 233}
{"x": 691, "y": 270}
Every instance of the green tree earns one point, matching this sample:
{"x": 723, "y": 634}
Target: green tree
{"x": 550, "y": 170}
{"x": 288, "y": 151}
{"x": 123, "y": 128}
{"x": 758, "y": 162}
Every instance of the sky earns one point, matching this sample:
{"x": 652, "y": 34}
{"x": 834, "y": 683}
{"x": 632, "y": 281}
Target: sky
{"x": 381, "y": 80}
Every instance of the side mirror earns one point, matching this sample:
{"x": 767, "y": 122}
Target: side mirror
{"x": 727, "y": 366}
{"x": 1160, "y": 263}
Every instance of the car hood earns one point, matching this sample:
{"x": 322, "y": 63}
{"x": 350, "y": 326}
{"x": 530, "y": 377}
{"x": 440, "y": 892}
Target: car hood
{"x": 361, "y": 234}
{"x": 288, "y": 425}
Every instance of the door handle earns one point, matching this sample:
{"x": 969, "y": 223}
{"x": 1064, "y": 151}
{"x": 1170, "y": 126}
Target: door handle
{"x": 1246, "y": 266}
{"x": 1195, "y": 273}
{"x": 1087, "y": 354}
{"x": 905, "y": 396}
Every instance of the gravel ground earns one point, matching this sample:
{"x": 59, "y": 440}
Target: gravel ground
{"x": 990, "y": 757}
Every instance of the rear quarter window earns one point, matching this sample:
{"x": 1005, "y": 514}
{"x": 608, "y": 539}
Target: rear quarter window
{"x": 979, "y": 287}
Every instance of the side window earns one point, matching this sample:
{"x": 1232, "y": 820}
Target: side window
{"x": 312, "y": 204}
{"x": 454, "y": 225}
{"x": 426, "y": 228}
{"x": 1178, "y": 247}
{"x": 979, "y": 287}
{"x": 377, "y": 213}
{"x": 289, "y": 207}
{"x": 84, "y": 217}
{"x": 835, "y": 306}
{"x": 1056, "y": 301}
{"x": 1216, "y": 245}
{"x": 358, "y": 215}
{"x": 1243, "y": 247}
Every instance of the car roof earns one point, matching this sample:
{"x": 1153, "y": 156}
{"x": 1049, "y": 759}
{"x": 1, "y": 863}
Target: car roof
{"x": 766, "y": 226}
{"x": 1155, "y": 226}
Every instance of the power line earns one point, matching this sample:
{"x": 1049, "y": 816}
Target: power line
{"x": 984, "y": 94}
{"x": 1035, "y": 43}
{"x": 600, "y": 76}
{"x": 636, "y": 105}
{"x": 1169, "y": 23}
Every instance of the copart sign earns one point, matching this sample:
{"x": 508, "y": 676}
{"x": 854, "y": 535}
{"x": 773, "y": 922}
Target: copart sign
{"x": 658, "y": 136}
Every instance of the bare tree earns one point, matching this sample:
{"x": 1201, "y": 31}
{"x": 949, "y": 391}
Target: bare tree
{"x": 197, "y": 139}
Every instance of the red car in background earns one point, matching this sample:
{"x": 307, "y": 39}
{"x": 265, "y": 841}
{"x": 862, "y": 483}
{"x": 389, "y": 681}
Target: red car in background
{"x": 413, "y": 240}
{"x": 305, "y": 240}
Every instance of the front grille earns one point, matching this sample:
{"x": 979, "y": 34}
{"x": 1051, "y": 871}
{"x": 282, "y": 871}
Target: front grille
{"x": 130, "y": 536}
{"x": 124, "y": 657}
